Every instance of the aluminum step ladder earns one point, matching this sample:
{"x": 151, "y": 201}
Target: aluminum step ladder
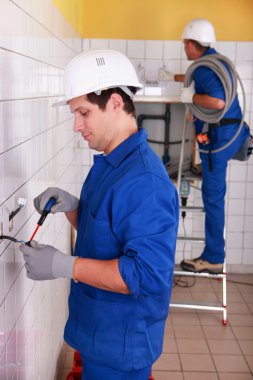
{"x": 223, "y": 277}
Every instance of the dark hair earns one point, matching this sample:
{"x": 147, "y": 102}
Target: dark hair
{"x": 198, "y": 46}
{"x": 102, "y": 99}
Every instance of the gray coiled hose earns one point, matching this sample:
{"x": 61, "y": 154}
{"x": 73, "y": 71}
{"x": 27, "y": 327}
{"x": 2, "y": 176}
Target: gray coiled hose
{"x": 229, "y": 82}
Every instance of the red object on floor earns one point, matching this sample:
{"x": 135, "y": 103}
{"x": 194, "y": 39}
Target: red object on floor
{"x": 76, "y": 372}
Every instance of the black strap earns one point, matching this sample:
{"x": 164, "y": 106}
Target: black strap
{"x": 225, "y": 121}
{"x": 210, "y": 148}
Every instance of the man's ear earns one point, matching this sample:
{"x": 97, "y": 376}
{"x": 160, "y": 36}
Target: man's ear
{"x": 116, "y": 101}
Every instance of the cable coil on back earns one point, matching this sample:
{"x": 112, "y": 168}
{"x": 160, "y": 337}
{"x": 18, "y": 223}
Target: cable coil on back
{"x": 216, "y": 63}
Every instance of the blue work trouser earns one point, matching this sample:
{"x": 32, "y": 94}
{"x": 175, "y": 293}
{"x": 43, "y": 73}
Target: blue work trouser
{"x": 214, "y": 190}
{"x": 95, "y": 371}
{"x": 213, "y": 195}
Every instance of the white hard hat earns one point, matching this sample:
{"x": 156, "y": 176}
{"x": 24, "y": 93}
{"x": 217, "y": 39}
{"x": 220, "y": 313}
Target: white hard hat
{"x": 97, "y": 70}
{"x": 199, "y": 30}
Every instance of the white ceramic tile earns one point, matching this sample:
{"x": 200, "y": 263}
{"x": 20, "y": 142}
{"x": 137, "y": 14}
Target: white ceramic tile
{"x": 245, "y": 69}
{"x": 2, "y": 290}
{"x": 238, "y": 172}
{"x": 247, "y": 86}
{"x": 249, "y": 207}
{"x": 17, "y": 122}
{"x": 227, "y": 48}
{"x": 86, "y": 44}
{"x": 139, "y": 66}
{"x": 99, "y": 43}
{"x": 234, "y": 240}
{"x": 248, "y": 240}
{"x": 248, "y": 225}
{"x": 244, "y": 51}
{"x": 119, "y": 45}
{"x": 234, "y": 255}
{"x": 15, "y": 24}
{"x": 247, "y": 103}
{"x": 5, "y": 66}
{"x": 154, "y": 50}
{"x": 11, "y": 354}
{"x": 247, "y": 256}
{"x": 152, "y": 70}
{"x": 172, "y": 50}
{"x": 7, "y": 125}
{"x": 136, "y": 49}
{"x": 237, "y": 190}
{"x": 249, "y": 190}
{"x": 236, "y": 206}
{"x": 172, "y": 65}
{"x": 235, "y": 223}
{"x": 2, "y": 329}
{"x": 5, "y": 24}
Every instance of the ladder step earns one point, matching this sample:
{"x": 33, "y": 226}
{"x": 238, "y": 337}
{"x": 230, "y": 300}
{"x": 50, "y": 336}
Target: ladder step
{"x": 191, "y": 239}
{"x": 192, "y": 208}
{"x": 200, "y": 306}
{"x": 203, "y": 274}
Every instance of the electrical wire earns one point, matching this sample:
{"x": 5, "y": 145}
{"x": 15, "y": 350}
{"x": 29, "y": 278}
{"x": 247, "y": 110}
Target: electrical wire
{"x": 218, "y": 64}
{"x": 6, "y": 237}
{"x": 183, "y": 283}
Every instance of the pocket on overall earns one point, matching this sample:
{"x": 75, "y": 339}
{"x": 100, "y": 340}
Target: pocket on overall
{"x": 105, "y": 329}
{"x": 100, "y": 238}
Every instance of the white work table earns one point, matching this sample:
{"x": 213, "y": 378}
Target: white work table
{"x": 158, "y": 94}
{"x": 156, "y": 99}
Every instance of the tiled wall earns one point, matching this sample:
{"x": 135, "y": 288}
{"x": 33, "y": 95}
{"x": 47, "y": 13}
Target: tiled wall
{"x": 148, "y": 57}
{"x": 37, "y": 149}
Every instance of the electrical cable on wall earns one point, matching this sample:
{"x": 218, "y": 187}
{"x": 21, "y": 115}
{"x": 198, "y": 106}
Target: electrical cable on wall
{"x": 6, "y": 237}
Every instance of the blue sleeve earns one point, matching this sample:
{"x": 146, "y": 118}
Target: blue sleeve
{"x": 148, "y": 228}
{"x": 207, "y": 82}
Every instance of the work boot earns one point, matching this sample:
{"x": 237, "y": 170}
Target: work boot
{"x": 198, "y": 266}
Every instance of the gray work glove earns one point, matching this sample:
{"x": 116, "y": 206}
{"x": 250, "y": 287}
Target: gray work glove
{"x": 44, "y": 262}
{"x": 165, "y": 75}
{"x": 64, "y": 201}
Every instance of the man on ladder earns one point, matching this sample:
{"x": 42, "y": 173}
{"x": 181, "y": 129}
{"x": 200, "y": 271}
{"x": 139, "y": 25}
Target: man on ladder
{"x": 207, "y": 91}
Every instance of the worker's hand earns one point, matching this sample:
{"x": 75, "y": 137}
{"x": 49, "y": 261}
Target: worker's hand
{"x": 44, "y": 262}
{"x": 189, "y": 117}
{"x": 65, "y": 201}
{"x": 187, "y": 93}
{"x": 165, "y": 75}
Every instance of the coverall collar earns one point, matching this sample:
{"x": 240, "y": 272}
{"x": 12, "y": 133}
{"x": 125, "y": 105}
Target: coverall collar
{"x": 209, "y": 51}
{"x": 125, "y": 148}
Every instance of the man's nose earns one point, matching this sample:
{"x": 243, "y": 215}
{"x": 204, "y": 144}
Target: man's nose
{"x": 78, "y": 124}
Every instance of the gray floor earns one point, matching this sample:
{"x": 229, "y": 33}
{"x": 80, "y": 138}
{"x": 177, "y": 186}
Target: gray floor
{"x": 197, "y": 345}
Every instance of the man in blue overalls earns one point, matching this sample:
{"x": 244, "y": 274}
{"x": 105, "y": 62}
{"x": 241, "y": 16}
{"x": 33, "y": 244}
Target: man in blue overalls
{"x": 126, "y": 221}
{"x": 208, "y": 92}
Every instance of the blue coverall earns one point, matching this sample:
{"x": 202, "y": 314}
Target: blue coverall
{"x": 128, "y": 210}
{"x": 214, "y": 172}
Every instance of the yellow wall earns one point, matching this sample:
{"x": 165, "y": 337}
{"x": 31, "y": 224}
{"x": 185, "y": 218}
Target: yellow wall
{"x": 74, "y": 13}
{"x": 157, "y": 19}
